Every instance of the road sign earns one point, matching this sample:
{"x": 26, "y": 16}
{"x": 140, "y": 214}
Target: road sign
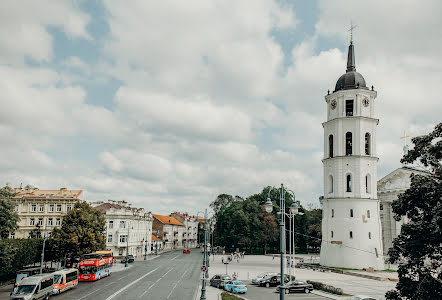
{"x": 203, "y": 268}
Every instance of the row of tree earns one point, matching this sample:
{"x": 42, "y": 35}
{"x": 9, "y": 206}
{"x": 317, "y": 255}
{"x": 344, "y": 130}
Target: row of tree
{"x": 244, "y": 223}
{"x": 82, "y": 231}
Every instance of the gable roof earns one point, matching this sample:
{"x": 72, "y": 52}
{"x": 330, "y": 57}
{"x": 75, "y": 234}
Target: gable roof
{"x": 106, "y": 206}
{"x": 167, "y": 220}
{"x": 154, "y": 238}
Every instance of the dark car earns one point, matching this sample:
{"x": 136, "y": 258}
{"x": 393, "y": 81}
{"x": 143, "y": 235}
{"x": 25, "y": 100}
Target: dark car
{"x": 130, "y": 258}
{"x": 272, "y": 281}
{"x": 219, "y": 279}
{"x": 297, "y": 286}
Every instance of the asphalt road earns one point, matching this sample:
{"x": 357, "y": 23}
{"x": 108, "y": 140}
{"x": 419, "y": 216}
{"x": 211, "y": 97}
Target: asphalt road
{"x": 173, "y": 275}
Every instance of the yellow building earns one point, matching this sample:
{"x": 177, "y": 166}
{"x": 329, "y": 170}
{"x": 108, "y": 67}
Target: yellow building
{"x": 45, "y": 208}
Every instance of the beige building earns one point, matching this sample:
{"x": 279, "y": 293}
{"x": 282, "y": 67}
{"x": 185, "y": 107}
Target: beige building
{"x": 42, "y": 208}
{"x": 170, "y": 231}
{"x": 190, "y": 234}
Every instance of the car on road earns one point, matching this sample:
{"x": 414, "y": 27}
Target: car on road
{"x": 129, "y": 258}
{"x": 186, "y": 251}
{"x": 361, "y": 297}
{"x": 235, "y": 286}
{"x": 218, "y": 280}
{"x": 262, "y": 276}
{"x": 274, "y": 280}
{"x": 297, "y": 286}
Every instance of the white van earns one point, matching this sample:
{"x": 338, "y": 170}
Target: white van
{"x": 34, "y": 287}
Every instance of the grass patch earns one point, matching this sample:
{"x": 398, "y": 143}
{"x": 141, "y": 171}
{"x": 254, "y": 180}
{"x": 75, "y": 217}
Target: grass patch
{"x": 345, "y": 269}
{"x": 227, "y": 296}
{"x": 388, "y": 270}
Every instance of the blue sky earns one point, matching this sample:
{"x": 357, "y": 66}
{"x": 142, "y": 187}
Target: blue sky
{"x": 168, "y": 104}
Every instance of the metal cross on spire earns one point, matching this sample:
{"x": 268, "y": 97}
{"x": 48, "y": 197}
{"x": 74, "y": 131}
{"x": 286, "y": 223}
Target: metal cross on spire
{"x": 352, "y": 27}
{"x": 405, "y": 142}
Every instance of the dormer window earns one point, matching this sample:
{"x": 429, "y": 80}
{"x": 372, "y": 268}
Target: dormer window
{"x": 349, "y": 108}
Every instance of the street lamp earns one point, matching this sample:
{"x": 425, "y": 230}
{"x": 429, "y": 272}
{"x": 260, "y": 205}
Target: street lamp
{"x": 127, "y": 245}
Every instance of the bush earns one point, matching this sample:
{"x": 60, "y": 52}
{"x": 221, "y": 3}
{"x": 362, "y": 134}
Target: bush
{"x": 326, "y": 288}
{"x": 227, "y": 296}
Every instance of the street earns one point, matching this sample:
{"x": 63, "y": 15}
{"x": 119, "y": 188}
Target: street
{"x": 173, "y": 275}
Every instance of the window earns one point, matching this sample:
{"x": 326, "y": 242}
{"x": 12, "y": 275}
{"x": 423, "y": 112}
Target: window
{"x": 123, "y": 238}
{"x": 111, "y": 224}
{"x": 349, "y": 108}
{"x": 351, "y": 234}
{"x": 50, "y": 221}
{"x": 122, "y": 224}
{"x": 348, "y": 183}
{"x": 58, "y": 222}
{"x": 16, "y": 207}
{"x": 367, "y": 144}
{"x": 71, "y": 276}
{"x": 333, "y": 213}
{"x": 369, "y": 235}
{"x": 120, "y": 251}
{"x": 368, "y": 213}
{"x": 332, "y": 233}
{"x": 330, "y": 183}
{"x": 348, "y": 143}
{"x": 109, "y": 238}
{"x": 51, "y": 207}
{"x": 12, "y": 235}
{"x": 40, "y": 221}
{"x": 376, "y": 251}
{"x": 33, "y": 207}
{"x": 68, "y": 207}
{"x": 46, "y": 283}
{"x": 351, "y": 213}
{"x": 41, "y": 207}
{"x": 58, "y": 207}
{"x": 381, "y": 207}
{"x": 32, "y": 222}
{"x": 330, "y": 145}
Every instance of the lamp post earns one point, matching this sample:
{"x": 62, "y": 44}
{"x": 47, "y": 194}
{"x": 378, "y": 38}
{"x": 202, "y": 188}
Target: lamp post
{"x": 43, "y": 251}
{"x": 269, "y": 208}
{"x": 294, "y": 211}
{"x": 127, "y": 246}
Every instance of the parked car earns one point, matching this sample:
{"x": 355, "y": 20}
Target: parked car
{"x": 297, "y": 286}
{"x": 186, "y": 251}
{"x": 235, "y": 286}
{"x": 219, "y": 279}
{"x": 130, "y": 259}
{"x": 361, "y": 297}
{"x": 274, "y": 280}
{"x": 34, "y": 287}
{"x": 262, "y": 276}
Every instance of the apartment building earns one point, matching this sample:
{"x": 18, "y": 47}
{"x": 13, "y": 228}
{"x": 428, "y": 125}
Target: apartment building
{"x": 127, "y": 228}
{"x": 42, "y": 208}
{"x": 190, "y": 235}
{"x": 170, "y": 231}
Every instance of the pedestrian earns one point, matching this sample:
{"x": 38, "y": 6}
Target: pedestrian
{"x": 222, "y": 259}
{"x": 273, "y": 255}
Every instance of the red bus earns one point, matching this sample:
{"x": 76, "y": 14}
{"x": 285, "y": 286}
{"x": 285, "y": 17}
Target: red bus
{"x": 95, "y": 266}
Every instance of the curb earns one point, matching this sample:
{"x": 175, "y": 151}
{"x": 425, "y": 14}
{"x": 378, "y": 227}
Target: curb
{"x": 326, "y": 295}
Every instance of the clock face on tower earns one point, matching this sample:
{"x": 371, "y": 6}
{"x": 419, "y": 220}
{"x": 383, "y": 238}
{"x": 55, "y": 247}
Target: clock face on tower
{"x": 333, "y": 104}
{"x": 365, "y": 101}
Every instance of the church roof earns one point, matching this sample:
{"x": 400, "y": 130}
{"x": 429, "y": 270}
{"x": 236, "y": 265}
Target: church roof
{"x": 350, "y": 79}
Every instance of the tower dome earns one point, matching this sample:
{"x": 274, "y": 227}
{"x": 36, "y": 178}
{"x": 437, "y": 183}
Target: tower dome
{"x": 351, "y": 79}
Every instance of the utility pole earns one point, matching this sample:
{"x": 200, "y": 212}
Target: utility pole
{"x": 203, "y": 287}
{"x": 43, "y": 252}
{"x": 127, "y": 245}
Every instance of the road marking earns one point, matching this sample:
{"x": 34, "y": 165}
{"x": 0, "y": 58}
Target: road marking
{"x": 155, "y": 283}
{"x": 129, "y": 285}
{"x": 123, "y": 277}
{"x": 88, "y": 294}
{"x": 176, "y": 256}
{"x": 176, "y": 284}
{"x": 110, "y": 283}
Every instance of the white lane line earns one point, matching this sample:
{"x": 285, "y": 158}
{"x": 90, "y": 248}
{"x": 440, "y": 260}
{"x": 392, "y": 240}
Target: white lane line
{"x": 176, "y": 256}
{"x": 88, "y": 294}
{"x": 123, "y": 276}
{"x": 109, "y": 283}
{"x": 176, "y": 284}
{"x": 155, "y": 283}
{"x": 129, "y": 285}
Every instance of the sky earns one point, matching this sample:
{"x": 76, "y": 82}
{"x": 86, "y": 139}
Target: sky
{"x": 167, "y": 104}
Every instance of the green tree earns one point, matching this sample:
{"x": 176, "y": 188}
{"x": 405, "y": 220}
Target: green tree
{"x": 314, "y": 219}
{"x": 418, "y": 248}
{"x": 82, "y": 231}
{"x": 8, "y": 217}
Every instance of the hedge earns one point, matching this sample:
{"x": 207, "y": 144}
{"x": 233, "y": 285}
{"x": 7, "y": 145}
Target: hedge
{"x": 326, "y": 288}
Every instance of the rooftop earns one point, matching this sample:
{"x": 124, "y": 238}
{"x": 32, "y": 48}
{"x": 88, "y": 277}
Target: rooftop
{"x": 23, "y": 193}
{"x": 167, "y": 220}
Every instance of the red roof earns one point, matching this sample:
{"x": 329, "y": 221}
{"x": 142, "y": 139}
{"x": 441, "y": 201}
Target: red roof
{"x": 167, "y": 220}
{"x": 154, "y": 238}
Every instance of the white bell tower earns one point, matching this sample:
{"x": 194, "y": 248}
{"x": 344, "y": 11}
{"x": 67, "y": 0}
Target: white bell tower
{"x": 351, "y": 226}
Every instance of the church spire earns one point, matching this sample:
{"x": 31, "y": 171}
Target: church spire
{"x": 351, "y": 66}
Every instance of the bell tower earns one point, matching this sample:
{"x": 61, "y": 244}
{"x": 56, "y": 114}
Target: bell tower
{"x": 351, "y": 227}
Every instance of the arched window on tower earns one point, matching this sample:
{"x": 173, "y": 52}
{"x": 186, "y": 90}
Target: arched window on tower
{"x": 367, "y": 144}
{"x": 348, "y": 183}
{"x": 351, "y": 212}
{"x": 348, "y": 143}
{"x": 368, "y": 183}
{"x": 330, "y": 145}
{"x": 351, "y": 234}
{"x": 330, "y": 183}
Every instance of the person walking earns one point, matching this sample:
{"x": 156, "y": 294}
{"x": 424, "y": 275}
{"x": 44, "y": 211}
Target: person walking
{"x": 222, "y": 259}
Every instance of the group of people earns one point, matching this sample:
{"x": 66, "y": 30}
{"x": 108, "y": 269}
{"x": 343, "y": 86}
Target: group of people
{"x": 236, "y": 255}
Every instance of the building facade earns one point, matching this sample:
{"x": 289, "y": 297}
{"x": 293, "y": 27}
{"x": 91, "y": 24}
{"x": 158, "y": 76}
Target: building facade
{"x": 190, "y": 235}
{"x": 351, "y": 227}
{"x": 169, "y": 230}
{"x": 42, "y": 209}
{"x": 128, "y": 229}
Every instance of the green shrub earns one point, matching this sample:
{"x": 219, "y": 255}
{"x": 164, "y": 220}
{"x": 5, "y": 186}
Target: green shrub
{"x": 326, "y": 288}
{"x": 227, "y": 296}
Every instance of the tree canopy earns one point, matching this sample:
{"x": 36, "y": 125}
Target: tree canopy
{"x": 418, "y": 248}
{"x": 8, "y": 217}
{"x": 82, "y": 231}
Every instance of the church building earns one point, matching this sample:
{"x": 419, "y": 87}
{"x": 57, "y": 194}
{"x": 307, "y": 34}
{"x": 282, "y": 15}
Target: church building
{"x": 351, "y": 224}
